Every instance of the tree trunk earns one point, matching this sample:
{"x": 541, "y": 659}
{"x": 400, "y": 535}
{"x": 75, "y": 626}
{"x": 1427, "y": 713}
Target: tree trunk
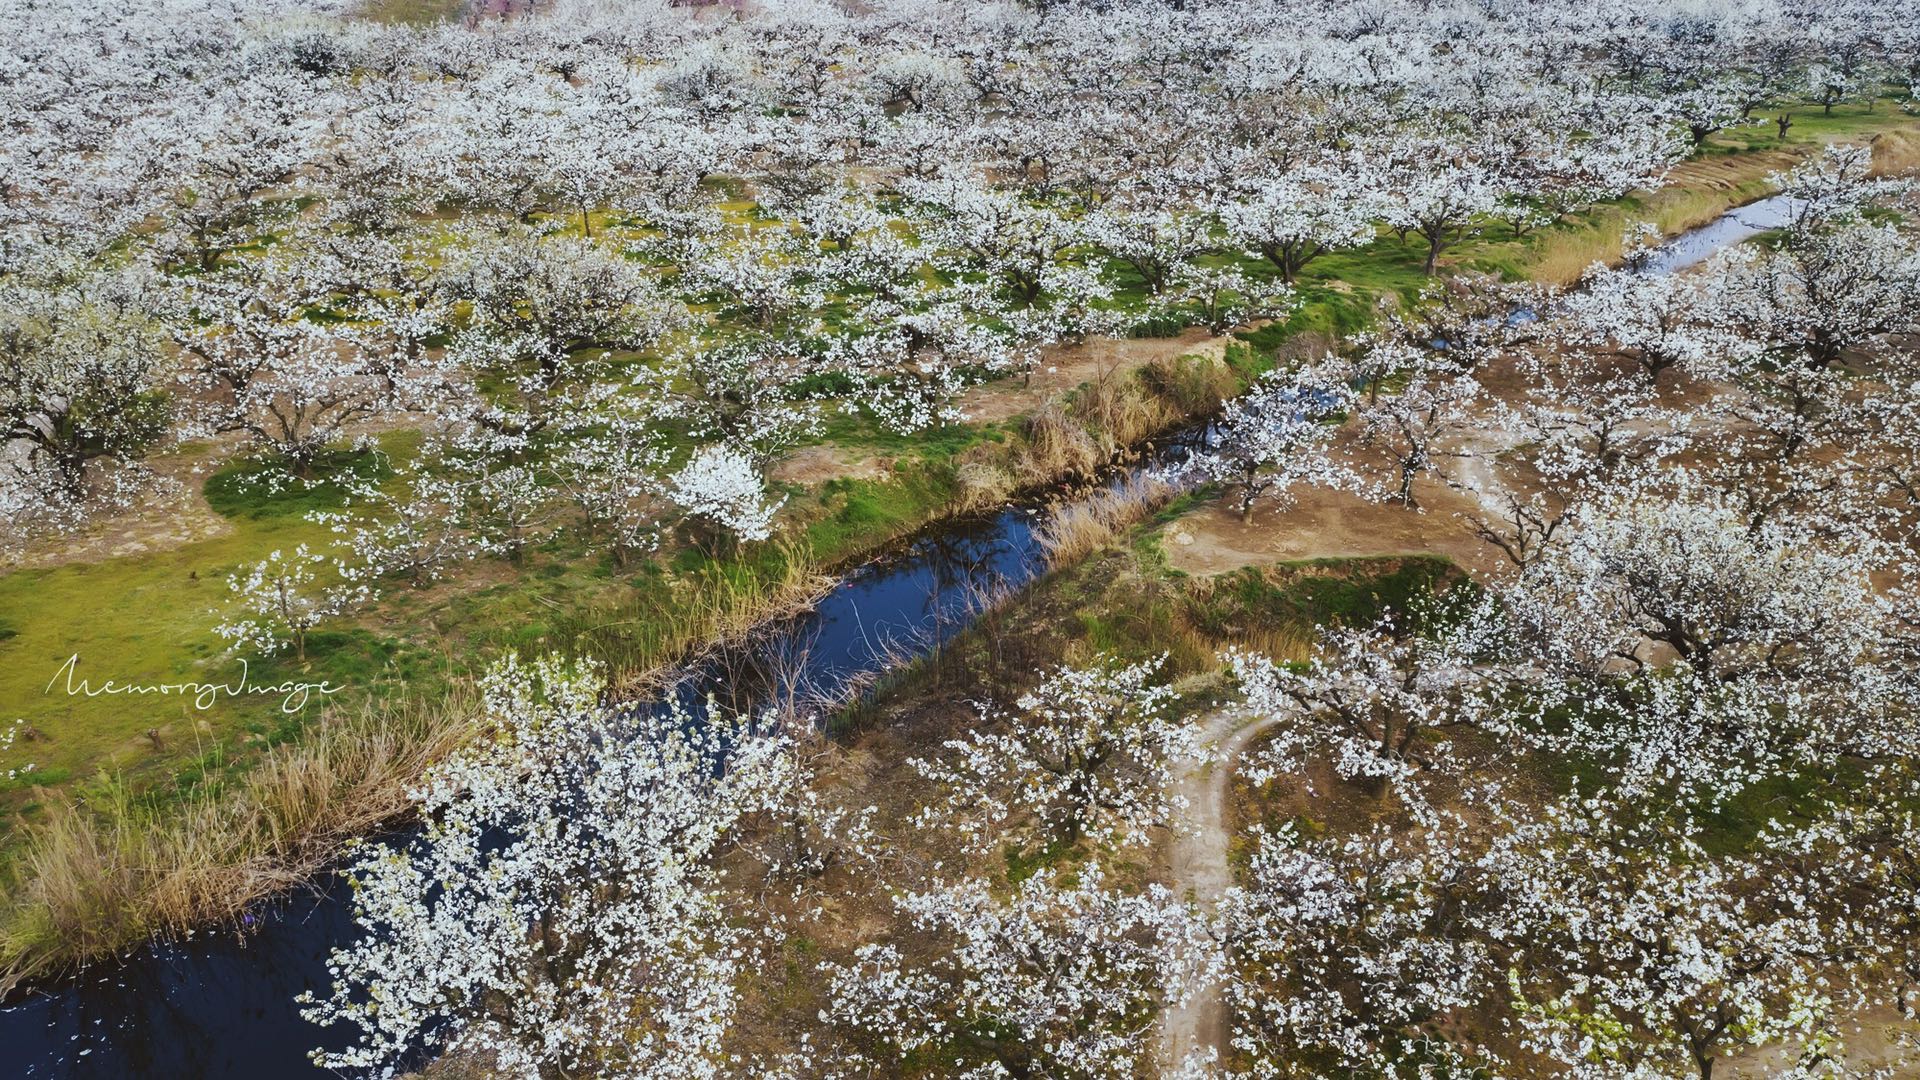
{"x": 72, "y": 467}
{"x": 1702, "y": 1061}
{"x": 1281, "y": 263}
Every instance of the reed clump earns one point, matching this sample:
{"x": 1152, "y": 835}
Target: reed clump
{"x": 1057, "y": 446}
{"x": 1117, "y": 410}
{"x": 714, "y": 605}
{"x": 1192, "y": 385}
{"x": 1895, "y": 153}
{"x": 1288, "y": 640}
{"x": 99, "y": 875}
{"x": 981, "y": 481}
{"x": 721, "y": 606}
{"x": 1073, "y": 530}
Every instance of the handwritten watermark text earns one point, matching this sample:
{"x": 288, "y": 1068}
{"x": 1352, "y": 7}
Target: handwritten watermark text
{"x": 294, "y": 696}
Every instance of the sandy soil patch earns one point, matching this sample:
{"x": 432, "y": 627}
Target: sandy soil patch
{"x": 1329, "y": 524}
{"x": 811, "y": 466}
{"x": 1201, "y": 872}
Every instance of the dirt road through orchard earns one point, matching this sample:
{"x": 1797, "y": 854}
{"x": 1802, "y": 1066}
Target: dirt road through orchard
{"x": 1201, "y": 873}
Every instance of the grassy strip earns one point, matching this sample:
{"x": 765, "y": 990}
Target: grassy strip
{"x": 1730, "y": 171}
{"x": 1123, "y": 600}
{"x": 104, "y": 871}
{"x": 411, "y": 12}
{"x": 1075, "y": 530}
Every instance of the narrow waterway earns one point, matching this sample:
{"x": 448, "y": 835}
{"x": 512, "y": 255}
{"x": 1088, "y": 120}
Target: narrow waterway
{"x": 1736, "y": 226}
{"x": 221, "y": 1005}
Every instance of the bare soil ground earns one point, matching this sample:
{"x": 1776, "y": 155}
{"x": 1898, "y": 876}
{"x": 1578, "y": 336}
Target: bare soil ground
{"x": 1877, "y": 1043}
{"x": 1328, "y": 524}
{"x": 174, "y": 513}
{"x": 811, "y": 466}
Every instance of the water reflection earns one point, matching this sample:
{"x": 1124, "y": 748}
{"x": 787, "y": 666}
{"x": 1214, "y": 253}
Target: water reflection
{"x": 213, "y": 1006}
{"x": 1733, "y": 227}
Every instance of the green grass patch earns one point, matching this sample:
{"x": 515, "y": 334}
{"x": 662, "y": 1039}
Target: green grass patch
{"x": 144, "y": 619}
{"x": 1321, "y": 592}
{"x": 859, "y": 430}
{"x": 260, "y": 489}
{"x": 859, "y": 514}
{"x": 412, "y": 12}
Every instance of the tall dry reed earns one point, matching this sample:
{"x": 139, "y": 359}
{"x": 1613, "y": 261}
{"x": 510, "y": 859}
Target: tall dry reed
{"x": 1073, "y": 530}
{"x": 94, "y": 879}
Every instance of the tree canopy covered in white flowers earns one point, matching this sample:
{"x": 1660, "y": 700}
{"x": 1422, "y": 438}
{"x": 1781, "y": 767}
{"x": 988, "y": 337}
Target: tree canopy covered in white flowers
{"x": 1091, "y": 753}
{"x": 1701, "y": 585}
{"x": 1625, "y": 787}
{"x": 938, "y": 208}
{"x": 560, "y": 907}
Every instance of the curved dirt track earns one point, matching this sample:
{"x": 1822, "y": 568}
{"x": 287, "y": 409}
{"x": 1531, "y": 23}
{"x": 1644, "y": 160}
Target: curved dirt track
{"x": 1200, "y": 871}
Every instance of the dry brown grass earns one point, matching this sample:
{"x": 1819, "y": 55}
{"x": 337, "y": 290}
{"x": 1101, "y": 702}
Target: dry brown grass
{"x": 722, "y": 610}
{"x": 1057, "y": 446}
{"x": 983, "y": 482}
{"x": 1285, "y": 642}
{"x": 1896, "y": 153}
{"x": 1074, "y": 530}
{"x": 1564, "y": 256}
{"x": 98, "y": 878}
{"x": 1194, "y": 385}
{"x": 1073, "y": 436}
{"x": 644, "y": 635}
{"x": 1120, "y": 410}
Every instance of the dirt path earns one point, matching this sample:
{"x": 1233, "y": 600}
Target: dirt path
{"x": 1200, "y": 871}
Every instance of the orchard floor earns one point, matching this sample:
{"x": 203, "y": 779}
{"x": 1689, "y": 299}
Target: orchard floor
{"x": 1322, "y": 524}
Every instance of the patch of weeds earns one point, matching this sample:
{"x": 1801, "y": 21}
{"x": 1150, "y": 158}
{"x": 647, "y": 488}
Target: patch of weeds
{"x": 1021, "y": 866}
